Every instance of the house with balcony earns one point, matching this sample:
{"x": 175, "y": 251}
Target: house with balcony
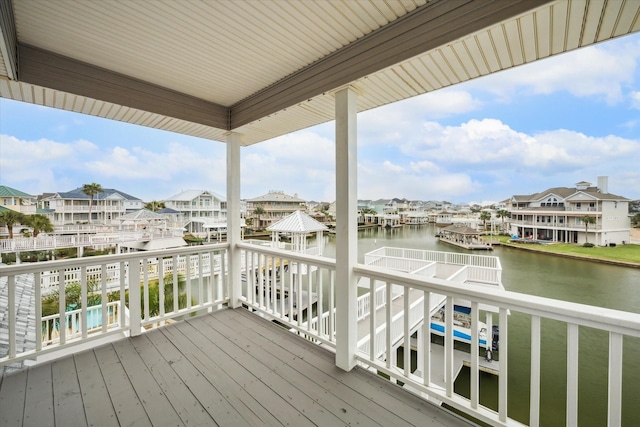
{"x": 199, "y": 209}
{"x": 240, "y": 76}
{"x": 73, "y": 207}
{"x": 275, "y": 205}
{"x": 557, "y": 214}
{"x": 17, "y": 200}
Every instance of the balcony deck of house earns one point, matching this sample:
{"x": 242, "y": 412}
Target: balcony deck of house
{"x": 150, "y": 357}
{"x": 229, "y": 367}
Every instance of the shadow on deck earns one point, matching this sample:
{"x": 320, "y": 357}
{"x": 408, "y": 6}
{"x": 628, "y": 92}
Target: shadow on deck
{"x": 226, "y": 368}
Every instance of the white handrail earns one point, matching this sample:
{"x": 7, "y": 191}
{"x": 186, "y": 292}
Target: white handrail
{"x": 111, "y": 277}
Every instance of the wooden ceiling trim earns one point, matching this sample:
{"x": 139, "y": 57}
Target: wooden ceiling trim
{"x": 428, "y": 27}
{"x": 47, "y": 69}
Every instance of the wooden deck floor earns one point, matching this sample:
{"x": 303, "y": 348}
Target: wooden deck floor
{"x": 228, "y": 368}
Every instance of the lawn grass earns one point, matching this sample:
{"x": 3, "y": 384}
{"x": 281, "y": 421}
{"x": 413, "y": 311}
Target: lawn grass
{"x": 624, "y": 253}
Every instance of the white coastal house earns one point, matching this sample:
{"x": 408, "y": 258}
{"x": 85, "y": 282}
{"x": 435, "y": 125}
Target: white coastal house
{"x": 557, "y": 214}
{"x": 275, "y": 206}
{"x": 73, "y": 207}
{"x": 199, "y": 209}
{"x": 17, "y": 200}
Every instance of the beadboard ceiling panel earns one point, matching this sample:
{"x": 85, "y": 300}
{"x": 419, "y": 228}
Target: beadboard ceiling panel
{"x": 267, "y": 68}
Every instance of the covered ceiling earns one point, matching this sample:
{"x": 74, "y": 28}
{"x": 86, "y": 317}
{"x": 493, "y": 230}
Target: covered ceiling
{"x": 267, "y": 68}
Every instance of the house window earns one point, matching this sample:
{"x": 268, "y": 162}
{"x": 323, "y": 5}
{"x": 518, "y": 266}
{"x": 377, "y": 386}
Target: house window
{"x": 578, "y": 206}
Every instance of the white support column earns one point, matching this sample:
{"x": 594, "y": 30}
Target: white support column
{"x": 233, "y": 218}
{"x": 346, "y": 227}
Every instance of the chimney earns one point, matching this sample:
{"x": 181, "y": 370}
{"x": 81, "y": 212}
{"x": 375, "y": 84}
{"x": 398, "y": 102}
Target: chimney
{"x": 603, "y": 184}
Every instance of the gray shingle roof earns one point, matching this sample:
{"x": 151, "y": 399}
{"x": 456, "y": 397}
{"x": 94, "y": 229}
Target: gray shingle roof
{"x": 78, "y": 194}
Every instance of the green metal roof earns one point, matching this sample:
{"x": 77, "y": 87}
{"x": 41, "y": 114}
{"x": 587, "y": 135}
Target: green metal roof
{"x": 12, "y": 192}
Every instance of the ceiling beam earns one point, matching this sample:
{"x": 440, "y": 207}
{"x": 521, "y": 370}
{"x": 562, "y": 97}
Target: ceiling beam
{"x": 48, "y": 69}
{"x": 8, "y": 39}
{"x": 427, "y": 27}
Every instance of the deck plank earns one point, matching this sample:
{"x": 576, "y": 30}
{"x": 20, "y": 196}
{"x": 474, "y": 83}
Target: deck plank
{"x": 319, "y": 371}
{"x": 98, "y": 408}
{"x": 224, "y": 383}
{"x": 12, "y": 394}
{"x": 39, "y": 397}
{"x": 207, "y": 393}
{"x": 233, "y": 386}
{"x": 320, "y": 387}
{"x": 155, "y": 402}
{"x": 260, "y": 392}
{"x": 228, "y": 368}
{"x": 281, "y": 388}
{"x": 126, "y": 403}
{"x": 67, "y": 398}
{"x": 410, "y": 409}
{"x": 187, "y": 407}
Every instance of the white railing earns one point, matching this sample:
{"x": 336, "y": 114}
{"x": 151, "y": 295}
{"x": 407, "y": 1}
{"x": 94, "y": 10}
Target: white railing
{"x": 49, "y": 281}
{"x": 435, "y": 256}
{"x": 75, "y": 322}
{"x": 377, "y": 353}
{"x": 48, "y": 242}
{"x": 312, "y": 250}
{"x": 129, "y": 291}
{"x": 550, "y": 225}
{"x": 272, "y": 287}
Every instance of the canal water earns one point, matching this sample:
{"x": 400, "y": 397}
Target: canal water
{"x": 554, "y": 277}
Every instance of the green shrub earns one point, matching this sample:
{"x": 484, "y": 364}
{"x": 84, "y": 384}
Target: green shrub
{"x": 588, "y": 245}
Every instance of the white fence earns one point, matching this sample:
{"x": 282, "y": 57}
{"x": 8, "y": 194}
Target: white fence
{"x": 49, "y": 242}
{"x": 128, "y": 292}
{"x": 617, "y": 324}
{"x": 306, "y": 304}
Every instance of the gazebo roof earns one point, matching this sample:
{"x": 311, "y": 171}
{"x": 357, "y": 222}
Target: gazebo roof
{"x": 297, "y": 222}
{"x": 460, "y": 229}
{"x": 141, "y": 215}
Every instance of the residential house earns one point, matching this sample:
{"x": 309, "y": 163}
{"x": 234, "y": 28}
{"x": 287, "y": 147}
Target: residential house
{"x": 73, "y": 207}
{"x": 558, "y": 213}
{"x": 17, "y": 200}
{"x": 199, "y": 209}
{"x": 276, "y": 205}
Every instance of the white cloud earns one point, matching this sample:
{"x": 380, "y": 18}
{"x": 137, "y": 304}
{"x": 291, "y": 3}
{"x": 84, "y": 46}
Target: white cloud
{"x": 388, "y": 124}
{"x": 22, "y": 160}
{"x": 297, "y": 163}
{"x": 491, "y": 144}
{"x": 599, "y": 70}
{"x": 390, "y": 167}
{"x": 635, "y": 99}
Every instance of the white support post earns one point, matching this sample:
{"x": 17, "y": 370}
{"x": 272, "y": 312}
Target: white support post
{"x": 233, "y": 218}
{"x": 346, "y": 228}
{"x": 135, "y": 311}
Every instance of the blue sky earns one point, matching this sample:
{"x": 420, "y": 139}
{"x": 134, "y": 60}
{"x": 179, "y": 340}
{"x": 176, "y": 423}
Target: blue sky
{"x": 552, "y": 123}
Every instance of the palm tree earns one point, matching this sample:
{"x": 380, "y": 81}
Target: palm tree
{"x": 259, "y": 210}
{"x": 10, "y": 218}
{"x": 485, "y": 216}
{"x": 39, "y": 223}
{"x": 91, "y": 190}
{"x": 155, "y": 205}
{"x": 587, "y": 219}
{"x": 502, "y": 214}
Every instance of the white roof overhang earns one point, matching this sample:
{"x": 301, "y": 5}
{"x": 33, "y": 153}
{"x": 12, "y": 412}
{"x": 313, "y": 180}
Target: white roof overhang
{"x": 267, "y": 68}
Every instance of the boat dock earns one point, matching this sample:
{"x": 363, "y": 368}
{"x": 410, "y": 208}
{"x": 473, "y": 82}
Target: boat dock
{"x": 471, "y": 246}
